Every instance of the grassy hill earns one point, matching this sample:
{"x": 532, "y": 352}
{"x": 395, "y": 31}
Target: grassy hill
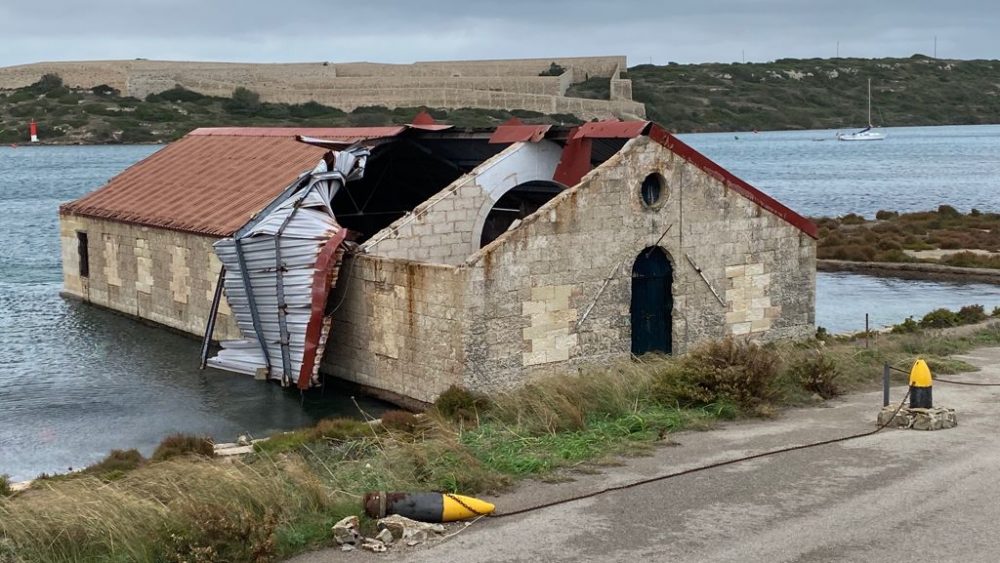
{"x": 816, "y": 93}
{"x": 101, "y": 115}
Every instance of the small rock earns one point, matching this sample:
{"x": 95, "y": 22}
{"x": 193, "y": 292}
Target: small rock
{"x": 412, "y": 543}
{"x": 385, "y": 536}
{"x": 346, "y": 531}
{"x": 347, "y": 547}
{"x": 243, "y": 440}
{"x": 373, "y": 545}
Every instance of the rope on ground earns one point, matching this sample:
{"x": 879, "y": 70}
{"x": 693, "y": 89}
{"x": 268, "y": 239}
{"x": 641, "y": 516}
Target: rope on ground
{"x": 706, "y": 467}
{"x": 953, "y": 382}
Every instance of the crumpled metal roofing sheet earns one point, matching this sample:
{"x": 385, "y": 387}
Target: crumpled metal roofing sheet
{"x": 280, "y": 268}
{"x": 213, "y": 180}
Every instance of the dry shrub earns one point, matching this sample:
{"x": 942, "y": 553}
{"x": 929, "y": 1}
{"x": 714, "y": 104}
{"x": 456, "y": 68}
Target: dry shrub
{"x": 460, "y": 404}
{"x": 183, "y": 444}
{"x": 817, "y": 373}
{"x": 192, "y": 509}
{"x": 400, "y": 421}
{"x": 732, "y": 371}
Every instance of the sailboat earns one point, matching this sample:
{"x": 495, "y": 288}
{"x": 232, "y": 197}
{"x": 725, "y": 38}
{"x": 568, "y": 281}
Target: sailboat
{"x": 866, "y": 134}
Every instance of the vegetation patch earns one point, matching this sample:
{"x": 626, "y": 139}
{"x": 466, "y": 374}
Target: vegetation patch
{"x": 892, "y": 234}
{"x": 283, "y": 498}
{"x": 178, "y": 445}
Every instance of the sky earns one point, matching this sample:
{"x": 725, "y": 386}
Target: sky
{"x": 400, "y": 31}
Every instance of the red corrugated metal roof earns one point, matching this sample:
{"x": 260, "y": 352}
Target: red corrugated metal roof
{"x": 515, "y": 131}
{"x": 212, "y": 180}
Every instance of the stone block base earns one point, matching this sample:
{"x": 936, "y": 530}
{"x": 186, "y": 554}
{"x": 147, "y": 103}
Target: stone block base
{"x": 937, "y": 418}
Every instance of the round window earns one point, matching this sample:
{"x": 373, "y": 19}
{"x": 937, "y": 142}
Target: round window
{"x": 651, "y": 189}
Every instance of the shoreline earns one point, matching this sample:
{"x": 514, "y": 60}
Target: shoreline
{"x": 911, "y": 270}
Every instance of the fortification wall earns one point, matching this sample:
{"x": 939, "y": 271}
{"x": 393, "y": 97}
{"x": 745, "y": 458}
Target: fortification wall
{"x": 499, "y": 84}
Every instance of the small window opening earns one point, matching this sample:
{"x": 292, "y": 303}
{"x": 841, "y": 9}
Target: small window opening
{"x": 84, "y": 253}
{"x": 651, "y": 189}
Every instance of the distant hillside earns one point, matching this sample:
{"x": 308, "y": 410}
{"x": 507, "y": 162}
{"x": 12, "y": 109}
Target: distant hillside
{"x": 815, "y": 93}
{"x": 102, "y": 115}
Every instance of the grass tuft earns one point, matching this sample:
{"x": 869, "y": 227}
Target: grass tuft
{"x": 178, "y": 445}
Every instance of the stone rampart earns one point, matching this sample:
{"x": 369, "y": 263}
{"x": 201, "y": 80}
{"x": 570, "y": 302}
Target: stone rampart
{"x": 499, "y": 84}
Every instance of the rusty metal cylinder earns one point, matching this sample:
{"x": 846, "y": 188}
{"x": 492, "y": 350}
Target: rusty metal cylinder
{"x": 425, "y": 507}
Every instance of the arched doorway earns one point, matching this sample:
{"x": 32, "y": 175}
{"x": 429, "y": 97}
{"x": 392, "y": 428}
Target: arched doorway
{"x": 652, "y": 302}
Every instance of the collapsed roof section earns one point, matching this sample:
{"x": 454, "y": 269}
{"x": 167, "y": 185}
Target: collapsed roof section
{"x": 279, "y": 268}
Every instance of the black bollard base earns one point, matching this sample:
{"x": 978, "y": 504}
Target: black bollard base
{"x": 921, "y": 398}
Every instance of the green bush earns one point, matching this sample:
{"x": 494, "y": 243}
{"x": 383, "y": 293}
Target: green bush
{"x": 243, "y": 102}
{"x": 723, "y": 371}
{"x": 553, "y": 70}
{"x": 176, "y": 94}
{"x": 971, "y": 314}
{"x": 183, "y": 444}
{"x": 907, "y": 326}
{"x": 341, "y": 429}
{"x": 116, "y": 464}
{"x": 882, "y": 214}
{"x": 5, "y": 489}
{"x": 47, "y": 83}
{"x": 996, "y": 311}
{"x": 818, "y": 374}
{"x": 939, "y": 318}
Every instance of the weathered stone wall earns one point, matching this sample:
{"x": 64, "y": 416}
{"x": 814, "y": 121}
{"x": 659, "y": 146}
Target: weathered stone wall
{"x": 447, "y": 227}
{"x": 501, "y": 84}
{"x": 530, "y": 288}
{"x": 400, "y": 326}
{"x": 163, "y": 276}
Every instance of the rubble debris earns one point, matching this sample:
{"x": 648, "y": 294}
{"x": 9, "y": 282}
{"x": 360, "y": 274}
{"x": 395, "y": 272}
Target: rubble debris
{"x": 346, "y": 531}
{"x": 937, "y": 418}
{"x": 373, "y": 545}
{"x": 405, "y": 529}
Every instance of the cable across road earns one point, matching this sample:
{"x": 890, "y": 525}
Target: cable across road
{"x": 705, "y": 467}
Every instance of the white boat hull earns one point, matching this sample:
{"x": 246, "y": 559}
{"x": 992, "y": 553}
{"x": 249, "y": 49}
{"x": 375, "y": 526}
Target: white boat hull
{"x": 865, "y": 136}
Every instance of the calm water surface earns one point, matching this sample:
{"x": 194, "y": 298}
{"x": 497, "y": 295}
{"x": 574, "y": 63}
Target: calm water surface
{"x": 914, "y": 169}
{"x": 76, "y": 381}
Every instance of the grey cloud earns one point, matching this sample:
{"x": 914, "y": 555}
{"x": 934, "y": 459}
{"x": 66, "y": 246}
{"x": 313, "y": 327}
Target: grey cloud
{"x": 398, "y": 31}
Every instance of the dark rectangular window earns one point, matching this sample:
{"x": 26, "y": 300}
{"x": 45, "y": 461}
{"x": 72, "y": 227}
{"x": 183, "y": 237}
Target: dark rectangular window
{"x": 84, "y": 254}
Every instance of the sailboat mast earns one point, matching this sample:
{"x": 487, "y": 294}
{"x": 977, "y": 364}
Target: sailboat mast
{"x": 869, "y": 102}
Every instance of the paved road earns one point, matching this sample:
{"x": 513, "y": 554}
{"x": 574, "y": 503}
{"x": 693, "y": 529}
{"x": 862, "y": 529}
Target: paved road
{"x": 900, "y": 494}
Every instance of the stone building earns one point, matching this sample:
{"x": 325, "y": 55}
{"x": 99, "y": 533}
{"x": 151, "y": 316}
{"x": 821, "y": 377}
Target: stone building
{"x": 482, "y": 257}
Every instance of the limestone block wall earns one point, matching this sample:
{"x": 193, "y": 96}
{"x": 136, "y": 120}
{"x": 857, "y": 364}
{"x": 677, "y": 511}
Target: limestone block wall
{"x": 400, "y": 326}
{"x": 447, "y": 227}
{"x": 163, "y": 276}
{"x": 500, "y": 84}
{"x": 530, "y": 289}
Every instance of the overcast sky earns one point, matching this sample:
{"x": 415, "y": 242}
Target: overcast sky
{"x": 406, "y": 31}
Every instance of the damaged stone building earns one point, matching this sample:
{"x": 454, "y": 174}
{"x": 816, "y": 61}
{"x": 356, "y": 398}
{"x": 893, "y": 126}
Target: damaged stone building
{"x": 470, "y": 257}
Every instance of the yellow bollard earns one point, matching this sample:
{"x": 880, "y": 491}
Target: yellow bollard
{"x": 920, "y": 386}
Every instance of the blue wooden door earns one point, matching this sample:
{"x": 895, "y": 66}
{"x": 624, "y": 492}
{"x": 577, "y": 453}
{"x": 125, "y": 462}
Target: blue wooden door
{"x": 652, "y": 302}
